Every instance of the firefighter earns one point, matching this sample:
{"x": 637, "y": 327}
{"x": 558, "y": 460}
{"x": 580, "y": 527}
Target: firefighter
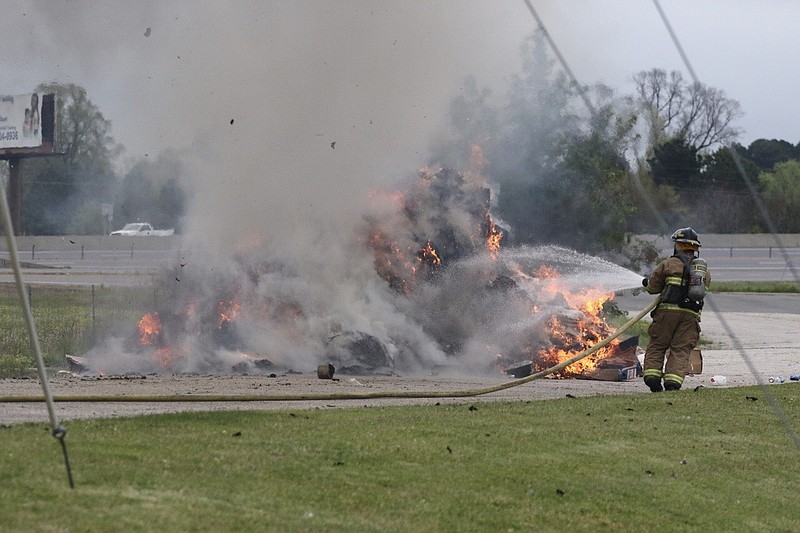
{"x": 676, "y": 319}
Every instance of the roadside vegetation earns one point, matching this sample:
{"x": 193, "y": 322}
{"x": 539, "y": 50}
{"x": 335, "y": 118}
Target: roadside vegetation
{"x": 68, "y": 320}
{"x": 755, "y": 286}
{"x": 720, "y": 456}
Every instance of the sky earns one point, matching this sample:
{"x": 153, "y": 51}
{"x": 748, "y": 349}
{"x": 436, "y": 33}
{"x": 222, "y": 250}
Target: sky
{"x": 197, "y": 64}
{"x": 307, "y": 103}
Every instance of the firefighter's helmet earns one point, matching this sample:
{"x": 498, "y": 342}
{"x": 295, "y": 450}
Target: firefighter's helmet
{"x": 686, "y": 235}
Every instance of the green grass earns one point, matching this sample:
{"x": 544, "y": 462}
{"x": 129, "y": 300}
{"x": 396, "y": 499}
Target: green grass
{"x": 68, "y": 320}
{"x": 713, "y": 460}
{"x": 755, "y": 286}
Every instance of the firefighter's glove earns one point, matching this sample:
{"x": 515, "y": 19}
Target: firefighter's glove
{"x": 645, "y": 281}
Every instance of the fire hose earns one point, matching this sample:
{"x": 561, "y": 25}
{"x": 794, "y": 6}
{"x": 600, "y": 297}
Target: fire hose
{"x": 343, "y": 395}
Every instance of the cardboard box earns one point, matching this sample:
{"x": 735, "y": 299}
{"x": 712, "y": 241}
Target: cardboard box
{"x": 622, "y": 365}
{"x": 627, "y": 373}
{"x": 696, "y": 362}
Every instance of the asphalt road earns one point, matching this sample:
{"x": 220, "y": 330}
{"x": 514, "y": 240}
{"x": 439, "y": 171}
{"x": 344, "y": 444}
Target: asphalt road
{"x": 729, "y": 302}
{"x": 752, "y": 264}
{"x": 136, "y": 266}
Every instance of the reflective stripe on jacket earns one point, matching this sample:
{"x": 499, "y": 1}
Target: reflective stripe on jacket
{"x": 670, "y": 272}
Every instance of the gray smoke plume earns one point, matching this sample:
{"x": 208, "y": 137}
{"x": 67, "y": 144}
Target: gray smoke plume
{"x": 291, "y": 118}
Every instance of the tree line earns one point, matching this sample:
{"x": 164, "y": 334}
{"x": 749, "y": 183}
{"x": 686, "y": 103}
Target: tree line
{"x": 579, "y": 166}
{"x": 585, "y": 167}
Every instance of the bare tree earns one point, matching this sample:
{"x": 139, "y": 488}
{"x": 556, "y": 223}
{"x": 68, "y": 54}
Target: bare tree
{"x": 671, "y": 107}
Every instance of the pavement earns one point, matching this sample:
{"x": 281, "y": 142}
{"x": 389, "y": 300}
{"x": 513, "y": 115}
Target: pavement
{"x": 745, "y": 337}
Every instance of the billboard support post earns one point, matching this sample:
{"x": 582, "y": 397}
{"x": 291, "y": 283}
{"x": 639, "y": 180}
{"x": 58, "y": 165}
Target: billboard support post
{"x": 14, "y": 193}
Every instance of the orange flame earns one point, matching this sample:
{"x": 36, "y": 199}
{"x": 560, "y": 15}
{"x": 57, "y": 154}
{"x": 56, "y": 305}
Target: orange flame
{"x": 575, "y": 332}
{"x": 149, "y": 328}
{"x": 477, "y": 162}
{"x": 493, "y": 241}
{"x": 579, "y": 335}
{"x": 546, "y": 272}
{"x": 430, "y": 255}
{"x": 166, "y": 356}
{"x": 228, "y": 311}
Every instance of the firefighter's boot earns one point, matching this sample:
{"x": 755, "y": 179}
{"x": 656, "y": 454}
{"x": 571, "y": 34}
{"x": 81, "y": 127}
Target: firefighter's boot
{"x": 672, "y": 381}
{"x": 654, "y": 383}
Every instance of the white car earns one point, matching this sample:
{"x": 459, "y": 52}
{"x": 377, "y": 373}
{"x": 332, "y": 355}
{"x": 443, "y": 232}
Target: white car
{"x": 141, "y": 228}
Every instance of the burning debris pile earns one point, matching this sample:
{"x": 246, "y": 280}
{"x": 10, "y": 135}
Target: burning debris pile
{"x": 444, "y": 218}
{"x": 427, "y": 281}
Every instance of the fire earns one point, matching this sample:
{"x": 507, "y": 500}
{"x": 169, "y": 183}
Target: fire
{"x": 493, "y": 241}
{"x": 166, "y": 356}
{"x": 443, "y": 221}
{"x": 546, "y": 272}
{"x": 149, "y": 331}
{"x": 391, "y": 261}
{"x": 578, "y": 325}
{"x": 477, "y": 162}
{"x": 149, "y": 328}
{"x": 429, "y": 255}
{"x": 570, "y": 339}
{"x": 228, "y": 311}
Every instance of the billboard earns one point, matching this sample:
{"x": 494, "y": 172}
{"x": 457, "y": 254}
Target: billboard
{"x": 21, "y": 123}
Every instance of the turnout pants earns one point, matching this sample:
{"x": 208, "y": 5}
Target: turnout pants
{"x": 677, "y": 331}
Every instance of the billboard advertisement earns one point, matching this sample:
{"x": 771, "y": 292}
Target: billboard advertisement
{"x": 21, "y": 120}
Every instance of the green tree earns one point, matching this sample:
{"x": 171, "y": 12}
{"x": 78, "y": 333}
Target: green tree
{"x": 663, "y": 201}
{"x": 562, "y": 177}
{"x": 601, "y": 202}
{"x": 88, "y": 220}
{"x": 782, "y": 195}
{"x": 536, "y": 118}
{"x": 721, "y": 172}
{"x": 151, "y": 192}
{"x": 55, "y": 189}
{"x": 533, "y": 124}
{"x": 676, "y": 163}
{"x": 585, "y": 201}
{"x": 765, "y": 153}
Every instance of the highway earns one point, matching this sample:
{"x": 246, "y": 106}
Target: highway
{"x": 95, "y": 267}
{"x": 752, "y": 264}
{"x": 136, "y": 266}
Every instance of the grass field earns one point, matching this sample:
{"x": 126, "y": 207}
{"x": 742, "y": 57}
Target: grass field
{"x": 68, "y": 320}
{"x": 713, "y": 460}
